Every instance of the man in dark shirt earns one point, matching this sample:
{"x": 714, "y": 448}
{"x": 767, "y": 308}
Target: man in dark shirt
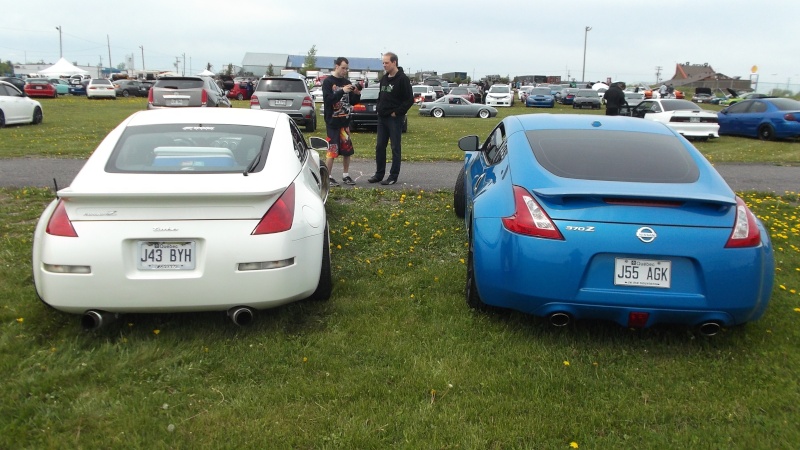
{"x": 615, "y": 99}
{"x": 339, "y": 95}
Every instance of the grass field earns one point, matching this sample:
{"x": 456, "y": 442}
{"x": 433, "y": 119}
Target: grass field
{"x": 395, "y": 359}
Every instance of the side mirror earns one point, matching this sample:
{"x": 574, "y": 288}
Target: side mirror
{"x": 469, "y": 143}
{"x": 318, "y": 143}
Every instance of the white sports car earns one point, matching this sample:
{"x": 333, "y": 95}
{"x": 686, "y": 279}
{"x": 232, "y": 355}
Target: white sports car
{"x": 189, "y": 209}
{"x": 685, "y": 117}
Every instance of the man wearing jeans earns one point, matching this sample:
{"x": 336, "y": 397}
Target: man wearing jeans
{"x": 394, "y": 100}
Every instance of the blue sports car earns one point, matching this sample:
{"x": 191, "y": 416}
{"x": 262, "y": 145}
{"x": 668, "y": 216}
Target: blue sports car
{"x": 614, "y": 218}
{"x": 540, "y": 97}
{"x": 765, "y": 118}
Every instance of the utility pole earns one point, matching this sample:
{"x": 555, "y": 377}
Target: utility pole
{"x": 658, "y": 74}
{"x": 108, "y": 40}
{"x": 183, "y": 72}
{"x": 142, "y": 47}
{"x": 60, "y": 47}
{"x": 585, "y": 36}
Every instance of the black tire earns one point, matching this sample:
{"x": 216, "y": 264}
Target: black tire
{"x": 484, "y": 114}
{"x": 37, "y": 116}
{"x": 438, "y": 113}
{"x": 55, "y": 95}
{"x": 766, "y": 133}
{"x": 470, "y": 289}
{"x": 312, "y": 126}
{"x": 240, "y": 96}
{"x": 573, "y": 106}
{"x": 459, "y": 196}
{"x": 2, "y": 120}
{"x": 325, "y": 284}
{"x": 126, "y": 94}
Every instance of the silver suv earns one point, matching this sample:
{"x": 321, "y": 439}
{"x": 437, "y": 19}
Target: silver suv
{"x": 177, "y": 92}
{"x": 286, "y": 95}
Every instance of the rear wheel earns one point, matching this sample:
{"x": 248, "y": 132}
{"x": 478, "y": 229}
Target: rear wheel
{"x": 766, "y": 133}
{"x": 311, "y": 126}
{"x": 3, "y": 119}
{"x": 37, "y": 116}
{"x": 437, "y": 113}
{"x": 126, "y": 93}
{"x": 483, "y": 114}
{"x": 459, "y": 196}
{"x": 470, "y": 290}
{"x": 325, "y": 284}
{"x": 240, "y": 96}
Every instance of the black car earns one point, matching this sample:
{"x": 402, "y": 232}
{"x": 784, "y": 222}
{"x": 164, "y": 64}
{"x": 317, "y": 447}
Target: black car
{"x": 586, "y": 99}
{"x": 702, "y": 95}
{"x": 364, "y": 114}
{"x": 127, "y": 88}
{"x": 18, "y": 83}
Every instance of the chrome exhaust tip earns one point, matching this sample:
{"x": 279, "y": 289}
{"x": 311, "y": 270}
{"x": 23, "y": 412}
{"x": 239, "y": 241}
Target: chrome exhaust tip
{"x": 709, "y": 328}
{"x": 241, "y": 315}
{"x": 93, "y": 319}
{"x": 559, "y": 319}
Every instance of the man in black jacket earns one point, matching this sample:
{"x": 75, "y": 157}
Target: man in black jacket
{"x": 615, "y": 99}
{"x": 394, "y": 100}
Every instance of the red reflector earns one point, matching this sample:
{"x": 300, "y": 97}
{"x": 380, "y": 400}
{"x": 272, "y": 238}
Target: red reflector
{"x": 59, "y": 223}
{"x": 280, "y": 216}
{"x": 640, "y": 202}
{"x": 204, "y": 98}
{"x": 638, "y": 319}
{"x": 359, "y": 108}
{"x": 308, "y": 101}
{"x": 254, "y": 101}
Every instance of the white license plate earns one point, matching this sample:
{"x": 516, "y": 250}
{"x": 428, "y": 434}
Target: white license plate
{"x": 280, "y": 102}
{"x": 642, "y": 272}
{"x": 175, "y": 102}
{"x": 166, "y": 255}
{"x": 694, "y": 119}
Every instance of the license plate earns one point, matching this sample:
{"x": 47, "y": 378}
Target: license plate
{"x": 166, "y": 255}
{"x": 642, "y": 272}
{"x": 175, "y": 102}
{"x": 694, "y": 119}
{"x": 280, "y": 102}
{"x": 39, "y": 87}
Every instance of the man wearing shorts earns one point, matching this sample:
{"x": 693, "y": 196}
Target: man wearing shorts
{"x": 338, "y": 96}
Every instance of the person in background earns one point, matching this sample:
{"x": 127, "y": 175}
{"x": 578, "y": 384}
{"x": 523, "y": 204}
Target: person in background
{"x": 614, "y": 98}
{"x": 395, "y": 98}
{"x": 339, "y": 95}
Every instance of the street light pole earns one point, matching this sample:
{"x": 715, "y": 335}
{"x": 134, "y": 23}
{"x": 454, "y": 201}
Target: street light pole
{"x": 60, "y": 47}
{"x": 585, "y": 36}
{"x": 142, "y": 47}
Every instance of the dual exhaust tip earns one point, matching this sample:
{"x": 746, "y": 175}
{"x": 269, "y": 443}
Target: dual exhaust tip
{"x": 96, "y": 319}
{"x": 562, "y": 319}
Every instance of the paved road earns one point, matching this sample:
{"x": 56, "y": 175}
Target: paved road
{"x": 21, "y": 172}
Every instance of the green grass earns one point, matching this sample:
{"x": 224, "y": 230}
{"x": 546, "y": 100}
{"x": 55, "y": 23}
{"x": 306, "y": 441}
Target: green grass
{"x": 394, "y": 360}
{"x": 73, "y": 126}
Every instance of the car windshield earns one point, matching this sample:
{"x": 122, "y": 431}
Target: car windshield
{"x": 540, "y": 91}
{"x": 281, "y": 85}
{"x": 634, "y": 95}
{"x": 370, "y": 94}
{"x": 188, "y": 148}
{"x": 420, "y": 89}
{"x": 613, "y": 156}
{"x": 586, "y": 93}
{"x": 678, "y": 105}
{"x": 786, "y": 104}
{"x": 459, "y": 91}
{"x": 38, "y": 81}
{"x": 501, "y": 90}
{"x": 101, "y": 81}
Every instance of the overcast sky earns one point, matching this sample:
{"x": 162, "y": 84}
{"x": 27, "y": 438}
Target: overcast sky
{"x": 628, "y": 40}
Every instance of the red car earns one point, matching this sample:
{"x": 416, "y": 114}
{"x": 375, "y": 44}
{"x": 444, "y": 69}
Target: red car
{"x": 40, "y": 87}
{"x": 463, "y": 92}
{"x": 240, "y": 91}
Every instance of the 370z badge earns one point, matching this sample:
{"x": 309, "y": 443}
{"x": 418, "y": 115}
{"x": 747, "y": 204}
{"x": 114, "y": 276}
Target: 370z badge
{"x": 574, "y": 228}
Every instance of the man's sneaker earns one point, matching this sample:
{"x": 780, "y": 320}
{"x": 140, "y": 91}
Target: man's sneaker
{"x": 374, "y": 179}
{"x": 332, "y": 182}
{"x": 390, "y": 180}
{"x": 348, "y": 180}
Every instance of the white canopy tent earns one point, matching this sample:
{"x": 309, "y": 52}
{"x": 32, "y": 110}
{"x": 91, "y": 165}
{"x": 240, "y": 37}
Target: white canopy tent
{"x": 62, "y": 68}
{"x": 206, "y": 73}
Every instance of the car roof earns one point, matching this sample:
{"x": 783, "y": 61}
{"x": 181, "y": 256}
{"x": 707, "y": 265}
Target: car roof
{"x": 235, "y": 116}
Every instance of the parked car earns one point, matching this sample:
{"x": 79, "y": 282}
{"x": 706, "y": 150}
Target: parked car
{"x": 40, "y": 87}
{"x": 765, "y": 118}
{"x": 455, "y": 106}
{"x": 364, "y": 113}
{"x": 540, "y": 97}
{"x": 188, "y": 91}
{"x": 423, "y": 93}
{"x": 127, "y": 88}
{"x": 286, "y": 95}
{"x": 463, "y": 92}
{"x": 633, "y": 98}
{"x": 161, "y": 216}
{"x": 702, "y": 95}
{"x": 19, "y": 83}
{"x": 523, "y": 91}
{"x": 16, "y": 107}
{"x": 500, "y": 95}
{"x": 77, "y": 87}
{"x": 685, "y": 117}
{"x": 240, "y": 91}
{"x": 61, "y": 85}
{"x": 317, "y": 94}
{"x": 738, "y": 96}
{"x": 100, "y": 88}
{"x": 566, "y": 96}
{"x": 144, "y": 88}
{"x": 613, "y": 219}
{"x": 586, "y": 99}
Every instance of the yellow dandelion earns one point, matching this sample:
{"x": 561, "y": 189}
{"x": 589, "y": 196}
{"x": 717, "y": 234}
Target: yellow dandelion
{"x": 156, "y": 331}
{"x": 461, "y": 260}
{"x": 349, "y": 238}
{"x": 367, "y": 261}
{"x": 410, "y": 264}
{"x": 305, "y": 359}
{"x": 376, "y": 236}
{"x": 573, "y": 444}
{"x": 782, "y": 287}
{"x": 566, "y": 363}
{"x": 20, "y": 319}
{"x": 436, "y": 279}
{"x": 338, "y": 247}
{"x": 797, "y": 310}
{"x": 412, "y": 295}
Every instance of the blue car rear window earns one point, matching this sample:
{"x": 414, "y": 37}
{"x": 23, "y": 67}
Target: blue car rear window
{"x": 613, "y": 156}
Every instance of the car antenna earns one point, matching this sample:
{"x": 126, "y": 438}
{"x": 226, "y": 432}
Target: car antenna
{"x": 55, "y": 183}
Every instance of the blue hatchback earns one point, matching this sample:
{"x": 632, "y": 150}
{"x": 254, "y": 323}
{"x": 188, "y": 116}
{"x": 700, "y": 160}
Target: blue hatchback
{"x": 540, "y": 97}
{"x": 765, "y": 118}
{"x": 614, "y": 218}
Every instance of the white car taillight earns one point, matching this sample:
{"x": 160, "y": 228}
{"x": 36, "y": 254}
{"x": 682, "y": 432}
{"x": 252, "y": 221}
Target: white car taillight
{"x": 745, "y": 230}
{"x": 529, "y": 218}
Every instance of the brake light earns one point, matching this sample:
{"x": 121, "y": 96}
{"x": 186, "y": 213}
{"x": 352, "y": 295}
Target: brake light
{"x": 359, "y": 108}
{"x": 280, "y": 215}
{"x": 254, "y": 101}
{"x": 745, "y": 231}
{"x": 790, "y": 117}
{"x": 308, "y": 101}
{"x": 59, "y": 223}
{"x": 204, "y": 98}
{"x": 529, "y": 218}
{"x": 150, "y": 95}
